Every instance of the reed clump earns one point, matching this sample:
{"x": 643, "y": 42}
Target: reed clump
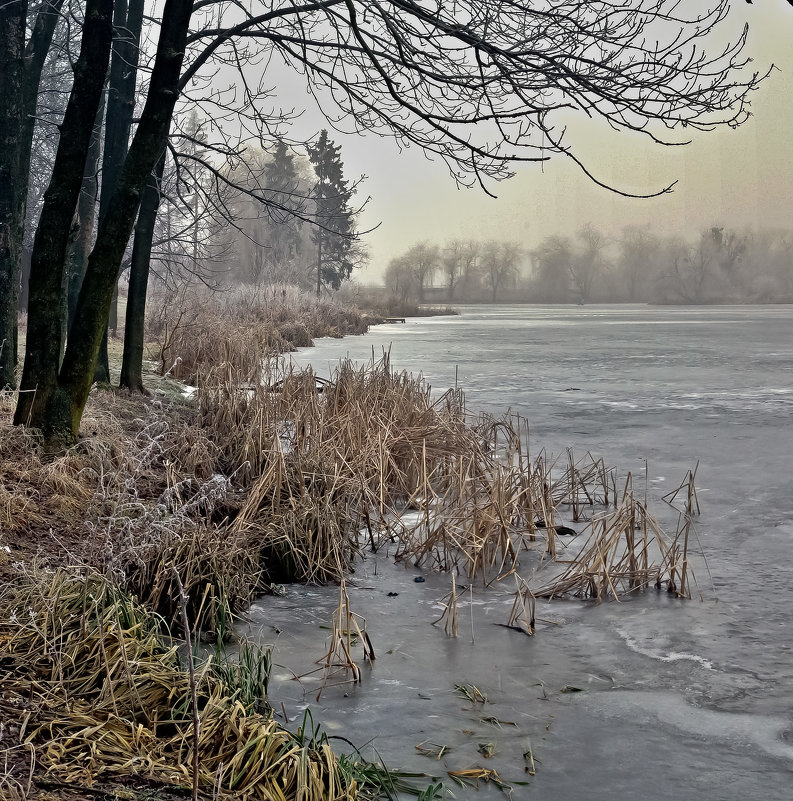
{"x": 327, "y": 467}
{"x": 191, "y": 332}
{"x": 107, "y": 697}
{"x": 150, "y": 521}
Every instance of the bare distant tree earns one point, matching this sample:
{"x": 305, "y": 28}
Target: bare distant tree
{"x": 423, "y": 260}
{"x": 400, "y": 281}
{"x": 552, "y": 261}
{"x": 637, "y": 260}
{"x": 499, "y": 265}
{"x": 587, "y": 263}
{"x": 688, "y": 269}
{"x": 458, "y": 260}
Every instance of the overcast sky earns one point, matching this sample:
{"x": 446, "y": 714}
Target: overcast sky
{"x": 741, "y": 178}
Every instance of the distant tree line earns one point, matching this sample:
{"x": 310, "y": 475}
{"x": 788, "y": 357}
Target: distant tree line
{"x": 720, "y": 265}
{"x": 128, "y": 136}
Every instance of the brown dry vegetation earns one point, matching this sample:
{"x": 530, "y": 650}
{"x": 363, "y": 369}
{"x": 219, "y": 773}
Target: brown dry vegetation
{"x": 204, "y": 329}
{"x": 176, "y": 510}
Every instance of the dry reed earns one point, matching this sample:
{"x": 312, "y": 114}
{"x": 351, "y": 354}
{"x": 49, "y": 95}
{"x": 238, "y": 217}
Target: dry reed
{"x": 191, "y": 332}
{"x": 108, "y": 697}
{"x": 330, "y": 466}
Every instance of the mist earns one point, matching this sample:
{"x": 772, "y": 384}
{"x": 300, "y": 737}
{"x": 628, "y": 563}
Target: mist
{"x": 739, "y": 179}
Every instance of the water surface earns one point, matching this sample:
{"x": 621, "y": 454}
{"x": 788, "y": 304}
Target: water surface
{"x": 678, "y": 699}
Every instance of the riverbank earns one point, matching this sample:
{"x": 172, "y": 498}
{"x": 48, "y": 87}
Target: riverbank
{"x": 258, "y": 479}
{"x": 126, "y": 516}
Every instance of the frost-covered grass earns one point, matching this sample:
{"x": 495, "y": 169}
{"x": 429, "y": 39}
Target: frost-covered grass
{"x": 193, "y": 332}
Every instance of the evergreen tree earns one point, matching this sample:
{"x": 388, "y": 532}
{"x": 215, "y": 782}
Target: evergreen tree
{"x": 282, "y": 182}
{"x": 335, "y": 229}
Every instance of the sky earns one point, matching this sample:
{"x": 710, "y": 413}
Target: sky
{"x": 736, "y": 178}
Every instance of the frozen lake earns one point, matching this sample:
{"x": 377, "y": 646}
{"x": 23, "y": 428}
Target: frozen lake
{"x": 678, "y": 698}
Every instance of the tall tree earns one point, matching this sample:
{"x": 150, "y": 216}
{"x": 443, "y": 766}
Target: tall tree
{"x": 282, "y": 183}
{"x": 48, "y": 283}
{"x": 132, "y": 360}
{"x": 335, "y": 219}
{"x": 57, "y": 404}
{"x": 21, "y": 63}
{"x": 127, "y": 28}
{"x": 77, "y": 258}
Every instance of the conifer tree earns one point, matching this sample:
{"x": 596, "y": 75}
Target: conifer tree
{"x": 335, "y": 229}
{"x": 282, "y": 182}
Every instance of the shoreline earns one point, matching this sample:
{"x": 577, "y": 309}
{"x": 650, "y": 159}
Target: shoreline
{"x": 262, "y": 491}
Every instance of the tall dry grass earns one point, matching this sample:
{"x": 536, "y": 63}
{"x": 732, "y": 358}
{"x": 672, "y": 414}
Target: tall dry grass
{"x": 327, "y": 469}
{"x": 199, "y": 330}
{"x": 105, "y": 696}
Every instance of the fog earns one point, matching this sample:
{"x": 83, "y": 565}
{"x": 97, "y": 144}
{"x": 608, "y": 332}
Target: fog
{"x": 740, "y": 178}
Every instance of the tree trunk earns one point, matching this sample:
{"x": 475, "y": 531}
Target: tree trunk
{"x": 60, "y": 416}
{"x": 12, "y": 82}
{"x": 127, "y": 23}
{"x": 319, "y": 265}
{"x": 20, "y": 74}
{"x": 44, "y": 336}
{"x": 86, "y": 214}
{"x": 132, "y": 365}
{"x": 24, "y": 281}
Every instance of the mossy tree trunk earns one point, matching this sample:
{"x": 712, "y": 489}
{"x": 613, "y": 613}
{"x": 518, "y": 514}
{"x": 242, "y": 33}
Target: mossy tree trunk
{"x": 21, "y": 65}
{"x": 59, "y": 414}
{"x": 12, "y": 75}
{"x": 86, "y": 217}
{"x": 51, "y": 243}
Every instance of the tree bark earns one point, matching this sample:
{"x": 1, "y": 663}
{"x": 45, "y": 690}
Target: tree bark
{"x": 128, "y": 24}
{"x": 12, "y": 81}
{"x": 24, "y": 279}
{"x": 319, "y": 265}
{"x": 20, "y": 74}
{"x": 44, "y": 335}
{"x": 86, "y": 214}
{"x": 60, "y": 416}
{"x": 132, "y": 364}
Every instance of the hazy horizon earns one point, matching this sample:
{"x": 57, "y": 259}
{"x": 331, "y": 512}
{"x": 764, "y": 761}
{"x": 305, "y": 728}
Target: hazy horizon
{"x": 740, "y": 178}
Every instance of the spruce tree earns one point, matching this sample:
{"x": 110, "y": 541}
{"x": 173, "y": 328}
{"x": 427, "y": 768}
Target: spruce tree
{"x": 335, "y": 229}
{"x": 282, "y": 183}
